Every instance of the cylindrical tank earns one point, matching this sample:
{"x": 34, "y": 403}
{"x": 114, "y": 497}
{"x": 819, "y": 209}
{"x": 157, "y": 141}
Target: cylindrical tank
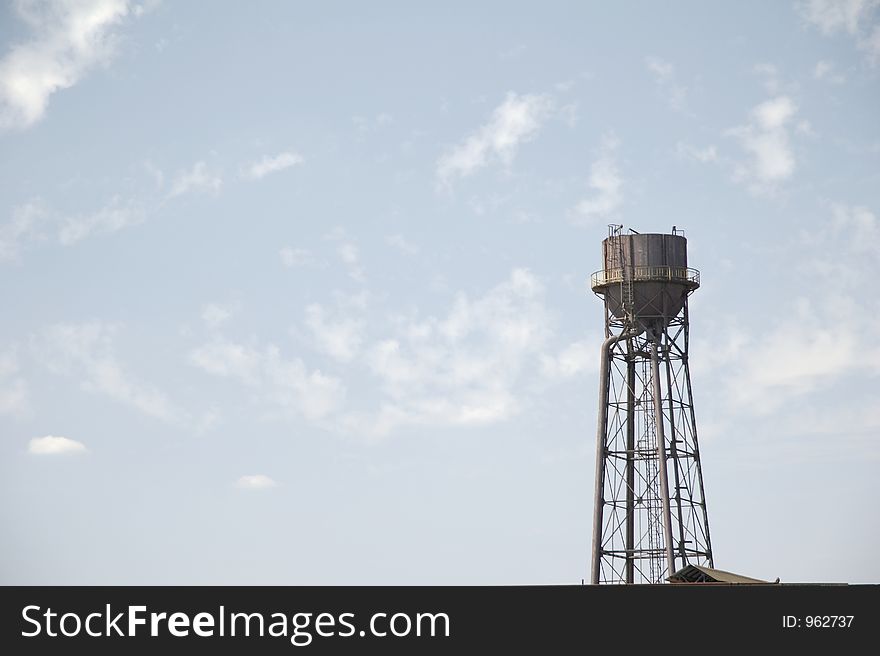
{"x": 646, "y": 277}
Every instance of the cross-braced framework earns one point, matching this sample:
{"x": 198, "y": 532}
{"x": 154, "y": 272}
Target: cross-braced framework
{"x": 650, "y": 514}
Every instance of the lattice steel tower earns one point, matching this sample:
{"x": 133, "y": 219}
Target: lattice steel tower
{"x": 649, "y": 518}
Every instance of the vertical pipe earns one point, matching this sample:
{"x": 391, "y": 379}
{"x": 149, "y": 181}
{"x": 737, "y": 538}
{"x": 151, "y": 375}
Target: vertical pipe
{"x": 676, "y": 465}
{"x": 598, "y": 497}
{"x": 661, "y": 456}
{"x": 630, "y": 464}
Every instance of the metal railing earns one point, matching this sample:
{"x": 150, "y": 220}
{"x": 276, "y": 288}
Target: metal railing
{"x": 681, "y": 275}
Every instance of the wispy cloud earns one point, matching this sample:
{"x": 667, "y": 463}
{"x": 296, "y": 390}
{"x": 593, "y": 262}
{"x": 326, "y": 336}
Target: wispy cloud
{"x": 606, "y": 183}
{"x": 279, "y": 382}
{"x": 338, "y": 337}
{"x": 767, "y": 142}
{"x": 706, "y": 155}
{"x": 54, "y": 446}
{"x": 347, "y": 251}
{"x": 364, "y": 125}
{"x": 512, "y": 53}
{"x": 13, "y": 388}
{"x": 26, "y": 225}
{"x": 33, "y": 222}
{"x": 515, "y": 121}
{"x": 255, "y": 482}
{"x": 475, "y": 364}
{"x": 216, "y": 314}
{"x": 402, "y": 244}
{"x": 861, "y": 224}
{"x": 826, "y": 71}
{"x": 572, "y": 360}
{"x": 459, "y": 369}
{"x": 114, "y": 216}
{"x": 85, "y": 351}
{"x": 674, "y": 94}
{"x": 272, "y": 164}
{"x": 350, "y": 255}
{"x": 295, "y": 257}
{"x": 197, "y": 178}
{"x": 808, "y": 348}
{"x": 856, "y": 18}
{"x": 806, "y": 351}
{"x": 831, "y": 16}
{"x": 770, "y": 75}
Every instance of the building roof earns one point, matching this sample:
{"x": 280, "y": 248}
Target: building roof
{"x": 700, "y": 574}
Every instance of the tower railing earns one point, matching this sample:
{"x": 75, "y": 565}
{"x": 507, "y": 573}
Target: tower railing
{"x": 684, "y": 275}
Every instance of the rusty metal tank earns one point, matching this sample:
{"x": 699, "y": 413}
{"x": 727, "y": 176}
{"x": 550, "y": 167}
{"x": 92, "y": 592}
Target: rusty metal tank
{"x": 646, "y": 278}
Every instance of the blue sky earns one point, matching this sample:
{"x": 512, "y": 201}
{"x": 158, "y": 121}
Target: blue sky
{"x": 298, "y": 293}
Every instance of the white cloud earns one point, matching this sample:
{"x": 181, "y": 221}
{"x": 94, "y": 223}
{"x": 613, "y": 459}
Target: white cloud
{"x": 804, "y": 352}
{"x": 607, "y": 184}
{"x": 570, "y": 114}
{"x": 766, "y": 140}
{"x": 115, "y": 216}
{"x": 196, "y": 179}
{"x": 229, "y": 360}
{"x": 512, "y": 53}
{"x": 13, "y": 388}
{"x": 52, "y": 445}
{"x": 207, "y": 421}
{"x": 69, "y": 38}
{"x": 402, "y": 244}
{"x": 870, "y": 43}
{"x": 215, "y": 314}
{"x": 459, "y": 369}
{"x": 23, "y": 227}
{"x": 474, "y": 364}
{"x": 255, "y": 482}
{"x": 272, "y": 164}
{"x": 348, "y": 253}
{"x": 155, "y": 173}
{"x": 365, "y": 125}
{"x": 805, "y": 127}
{"x": 295, "y": 257}
{"x": 810, "y": 346}
{"x": 705, "y": 155}
{"x": 770, "y": 73}
{"x": 33, "y": 221}
{"x": 774, "y": 114}
{"x": 576, "y": 358}
{"x": 85, "y": 351}
{"x": 282, "y": 383}
{"x": 832, "y": 16}
{"x": 339, "y": 338}
{"x": 664, "y": 76}
{"x": 515, "y": 121}
{"x": 856, "y": 18}
{"x": 662, "y": 70}
{"x": 826, "y": 71}
{"x": 13, "y": 397}
{"x": 860, "y": 225}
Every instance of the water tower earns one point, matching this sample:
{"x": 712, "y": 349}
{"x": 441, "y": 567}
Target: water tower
{"x": 649, "y": 518}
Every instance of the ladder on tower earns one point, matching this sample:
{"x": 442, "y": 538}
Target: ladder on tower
{"x": 627, "y": 299}
{"x": 647, "y": 446}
